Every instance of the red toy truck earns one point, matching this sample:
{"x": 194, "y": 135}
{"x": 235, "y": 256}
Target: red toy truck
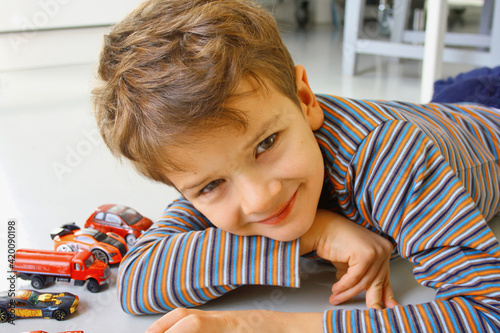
{"x": 41, "y": 266}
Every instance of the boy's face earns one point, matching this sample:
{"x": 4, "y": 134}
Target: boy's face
{"x": 265, "y": 180}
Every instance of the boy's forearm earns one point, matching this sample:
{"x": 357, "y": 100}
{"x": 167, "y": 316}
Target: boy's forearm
{"x": 196, "y": 321}
{"x": 189, "y": 269}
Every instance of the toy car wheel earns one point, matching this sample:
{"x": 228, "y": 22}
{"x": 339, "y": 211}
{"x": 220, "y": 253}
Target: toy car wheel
{"x": 3, "y": 315}
{"x": 130, "y": 239}
{"x": 59, "y": 315}
{"x": 37, "y": 282}
{"x": 93, "y": 286}
{"x": 64, "y": 248}
{"x": 100, "y": 255}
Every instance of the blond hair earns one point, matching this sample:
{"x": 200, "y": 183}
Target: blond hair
{"x": 168, "y": 68}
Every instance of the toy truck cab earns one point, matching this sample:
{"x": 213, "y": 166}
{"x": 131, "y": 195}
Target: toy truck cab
{"x": 86, "y": 268}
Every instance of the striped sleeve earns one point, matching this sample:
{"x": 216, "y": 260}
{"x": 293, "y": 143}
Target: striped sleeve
{"x": 183, "y": 261}
{"x": 401, "y": 185}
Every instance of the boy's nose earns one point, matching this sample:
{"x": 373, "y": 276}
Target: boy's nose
{"x": 257, "y": 194}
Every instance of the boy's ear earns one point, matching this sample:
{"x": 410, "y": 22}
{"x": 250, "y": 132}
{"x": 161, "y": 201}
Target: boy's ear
{"x": 307, "y": 99}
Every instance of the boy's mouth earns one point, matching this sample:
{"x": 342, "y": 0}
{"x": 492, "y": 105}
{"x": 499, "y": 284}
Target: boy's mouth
{"x": 282, "y": 213}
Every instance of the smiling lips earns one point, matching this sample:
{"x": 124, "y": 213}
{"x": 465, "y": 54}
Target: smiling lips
{"x": 283, "y": 214}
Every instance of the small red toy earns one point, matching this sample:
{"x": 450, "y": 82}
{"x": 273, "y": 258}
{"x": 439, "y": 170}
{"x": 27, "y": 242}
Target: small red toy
{"x": 122, "y": 220}
{"x": 42, "y": 266}
{"x": 109, "y": 248}
{"x": 58, "y": 332}
{"x": 30, "y": 303}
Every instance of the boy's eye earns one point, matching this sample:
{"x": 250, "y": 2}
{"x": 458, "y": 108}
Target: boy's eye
{"x": 211, "y": 186}
{"x": 266, "y": 144}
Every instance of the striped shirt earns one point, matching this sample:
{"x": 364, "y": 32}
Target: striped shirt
{"x": 424, "y": 176}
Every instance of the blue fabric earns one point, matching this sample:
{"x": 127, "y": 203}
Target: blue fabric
{"x": 481, "y": 86}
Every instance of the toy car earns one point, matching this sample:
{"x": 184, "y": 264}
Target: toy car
{"x": 31, "y": 303}
{"x": 108, "y": 248}
{"x": 119, "y": 219}
{"x": 58, "y": 332}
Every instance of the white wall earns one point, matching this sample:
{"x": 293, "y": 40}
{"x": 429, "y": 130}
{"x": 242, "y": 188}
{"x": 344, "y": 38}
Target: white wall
{"x": 45, "y": 33}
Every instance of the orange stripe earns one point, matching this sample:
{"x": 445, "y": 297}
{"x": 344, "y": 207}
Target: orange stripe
{"x": 273, "y": 270}
{"x": 329, "y": 321}
{"x": 446, "y": 315}
{"x": 239, "y": 260}
{"x": 258, "y": 261}
{"x": 385, "y": 318}
{"x": 203, "y": 260}
{"x": 293, "y": 259}
{"x": 222, "y": 248}
{"x": 348, "y": 321}
{"x": 185, "y": 286}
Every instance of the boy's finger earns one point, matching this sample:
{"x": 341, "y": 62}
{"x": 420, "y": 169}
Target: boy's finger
{"x": 389, "y": 300}
{"x": 374, "y": 294}
{"x": 168, "y": 320}
{"x": 341, "y": 270}
{"x": 349, "y": 278}
{"x": 338, "y": 297}
{"x": 356, "y": 275}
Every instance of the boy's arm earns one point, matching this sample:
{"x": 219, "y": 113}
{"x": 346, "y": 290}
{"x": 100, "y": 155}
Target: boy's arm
{"x": 365, "y": 256}
{"x": 183, "y": 261}
{"x": 404, "y": 188}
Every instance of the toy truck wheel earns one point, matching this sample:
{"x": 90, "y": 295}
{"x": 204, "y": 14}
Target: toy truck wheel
{"x": 100, "y": 255}
{"x": 3, "y": 315}
{"x": 59, "y": 315}
{"x": 93, "y": 286}
{"x": 37, "y": 282}
{"x": 130, "y": 239}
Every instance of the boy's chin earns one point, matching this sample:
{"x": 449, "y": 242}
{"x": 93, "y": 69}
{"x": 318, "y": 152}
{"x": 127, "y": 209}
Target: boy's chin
{"x": 285, "y": 237}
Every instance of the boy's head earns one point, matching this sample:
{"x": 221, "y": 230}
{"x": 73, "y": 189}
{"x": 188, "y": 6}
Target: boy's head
{"x": 168, "y": 69}
{"x": 203, "y": 95}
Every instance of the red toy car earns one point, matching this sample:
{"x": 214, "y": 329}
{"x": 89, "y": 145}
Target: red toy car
{"x": 108, "y": 248}
{"x": 119, "y": 219}
{"x": 59, "y": 332}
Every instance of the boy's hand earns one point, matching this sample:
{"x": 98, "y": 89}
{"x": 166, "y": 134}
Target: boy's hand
{"x": 360, "y": 256}
{"x": 193, "y": 321}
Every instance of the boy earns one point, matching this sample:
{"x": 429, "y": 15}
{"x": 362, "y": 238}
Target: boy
{"x": 202, "y": 95}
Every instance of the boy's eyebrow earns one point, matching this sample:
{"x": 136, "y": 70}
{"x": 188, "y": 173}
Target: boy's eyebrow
{"x": 264, "y": 127}
{"x": 188, "y": 187}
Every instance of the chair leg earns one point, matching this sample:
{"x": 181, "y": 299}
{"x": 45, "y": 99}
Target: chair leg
{"x": 486, "y": 17}
{"x": 335, "y": 15}
{"x": 400, "y": 14}
{"x": 495, "y": 35}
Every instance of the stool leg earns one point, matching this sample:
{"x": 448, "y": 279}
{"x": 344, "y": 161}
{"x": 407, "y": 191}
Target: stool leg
{"x": 433, "y": 49}
{"x": 352, "y": 23}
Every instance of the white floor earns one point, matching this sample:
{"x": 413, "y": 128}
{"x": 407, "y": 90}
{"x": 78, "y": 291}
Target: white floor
{"x": 54, "y": 169}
